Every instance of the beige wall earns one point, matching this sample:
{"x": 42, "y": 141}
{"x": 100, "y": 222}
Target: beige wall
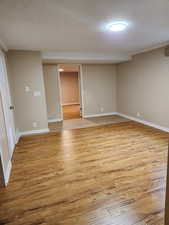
{"x": 25, "y": 69}
{"x": 69, "y": 87}
{"x": 99, "y": 84}
{"x": 143, "y": 86}
{"x": 52, "y": 92}
{"x": 99, "y": 90}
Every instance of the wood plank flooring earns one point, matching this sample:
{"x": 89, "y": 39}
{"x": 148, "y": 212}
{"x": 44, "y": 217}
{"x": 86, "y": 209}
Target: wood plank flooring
{"x": 105, "y": 175}
{"x": 85, "y": 122}
{"x": 71, "y": 111}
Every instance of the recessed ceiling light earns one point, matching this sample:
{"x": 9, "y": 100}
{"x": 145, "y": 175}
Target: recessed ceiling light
{"x": 118, "y": 26}
{"x": 61, "y": 70}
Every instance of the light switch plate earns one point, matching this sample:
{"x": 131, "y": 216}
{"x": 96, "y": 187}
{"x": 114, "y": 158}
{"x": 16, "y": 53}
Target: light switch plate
{"x": 27, "y": 88}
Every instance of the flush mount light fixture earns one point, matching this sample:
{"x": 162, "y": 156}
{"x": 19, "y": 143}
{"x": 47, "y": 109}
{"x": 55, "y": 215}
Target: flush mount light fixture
{"x": 118, "y": 26}
{"x": 61, "y": 70}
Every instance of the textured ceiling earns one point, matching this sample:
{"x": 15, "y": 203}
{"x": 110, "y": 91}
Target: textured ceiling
{"x": 70, "y": 29}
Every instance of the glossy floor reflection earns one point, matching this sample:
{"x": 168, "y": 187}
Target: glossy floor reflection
{"x": 104, "y": 175}
{"x": 85, "y": 122}
{"x": 71, "y": 111}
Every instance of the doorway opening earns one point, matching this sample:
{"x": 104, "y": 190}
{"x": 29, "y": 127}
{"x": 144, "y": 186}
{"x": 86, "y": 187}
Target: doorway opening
{"x": 70, "y": 91}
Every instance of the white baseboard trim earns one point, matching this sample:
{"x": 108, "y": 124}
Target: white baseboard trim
{"x": 30, "y": 132}
{"x": 144, "y": 122}
{"x": 100, "y": 114}
{"x": 71, "y": 103}
{"x": 8, "y": 173}
{"x": 54, "y": 120}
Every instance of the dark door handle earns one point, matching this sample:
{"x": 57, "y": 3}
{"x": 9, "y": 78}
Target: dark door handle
{"x": 11, "y": 107}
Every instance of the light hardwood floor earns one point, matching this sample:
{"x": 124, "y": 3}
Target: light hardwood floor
{"x": 85, "y": 122}
{"x": 105, "y": 175}
{"x": 71, "y": 111}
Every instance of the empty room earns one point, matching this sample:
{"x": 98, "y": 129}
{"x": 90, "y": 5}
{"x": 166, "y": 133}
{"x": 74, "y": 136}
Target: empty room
{"x": 84, "y": 112}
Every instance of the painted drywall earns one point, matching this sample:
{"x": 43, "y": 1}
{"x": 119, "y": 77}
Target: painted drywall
{"x": 26, "y": 71}
{"x": 99, "y": 89}
{"x": 69, "y": 87}
{"x": 52, "y": 91}
{"x": 143, "y": 86}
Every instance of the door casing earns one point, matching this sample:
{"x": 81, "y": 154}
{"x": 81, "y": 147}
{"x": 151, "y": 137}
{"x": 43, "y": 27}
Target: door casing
{"x": 80, "y": 78}
{"x": 6, "y": 101}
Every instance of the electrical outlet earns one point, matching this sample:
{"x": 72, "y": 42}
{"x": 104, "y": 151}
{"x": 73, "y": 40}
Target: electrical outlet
{"x": 36, "y": 93}
{"x": 102, "y": 109}
{"x": 34, "y": 124}
{"x": 138, "y": 114}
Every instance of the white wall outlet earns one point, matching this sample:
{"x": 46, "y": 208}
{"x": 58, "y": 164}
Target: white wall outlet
{"x": 34, "y": 124}
{"x": 138, "y": 114}
{"x": 36, "y": 93}
{"x": 102, "y": 109}
{"x": 27, "y": 88}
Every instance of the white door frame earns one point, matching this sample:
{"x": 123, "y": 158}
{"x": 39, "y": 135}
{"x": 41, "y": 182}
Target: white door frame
{"x": 81, "y": 89}
{"x": 6, "y": 101}
{"x": 60, "y": 93}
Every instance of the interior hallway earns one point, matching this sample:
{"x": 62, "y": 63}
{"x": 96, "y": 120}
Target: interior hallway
{"x": 105, "y": 175}
{"x": 71, "y": 111}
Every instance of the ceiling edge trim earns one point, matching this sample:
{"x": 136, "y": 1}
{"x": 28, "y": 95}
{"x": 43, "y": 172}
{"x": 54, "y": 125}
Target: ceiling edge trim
{"x": 160, "y": 45}
{"x": 60, "y": 57}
